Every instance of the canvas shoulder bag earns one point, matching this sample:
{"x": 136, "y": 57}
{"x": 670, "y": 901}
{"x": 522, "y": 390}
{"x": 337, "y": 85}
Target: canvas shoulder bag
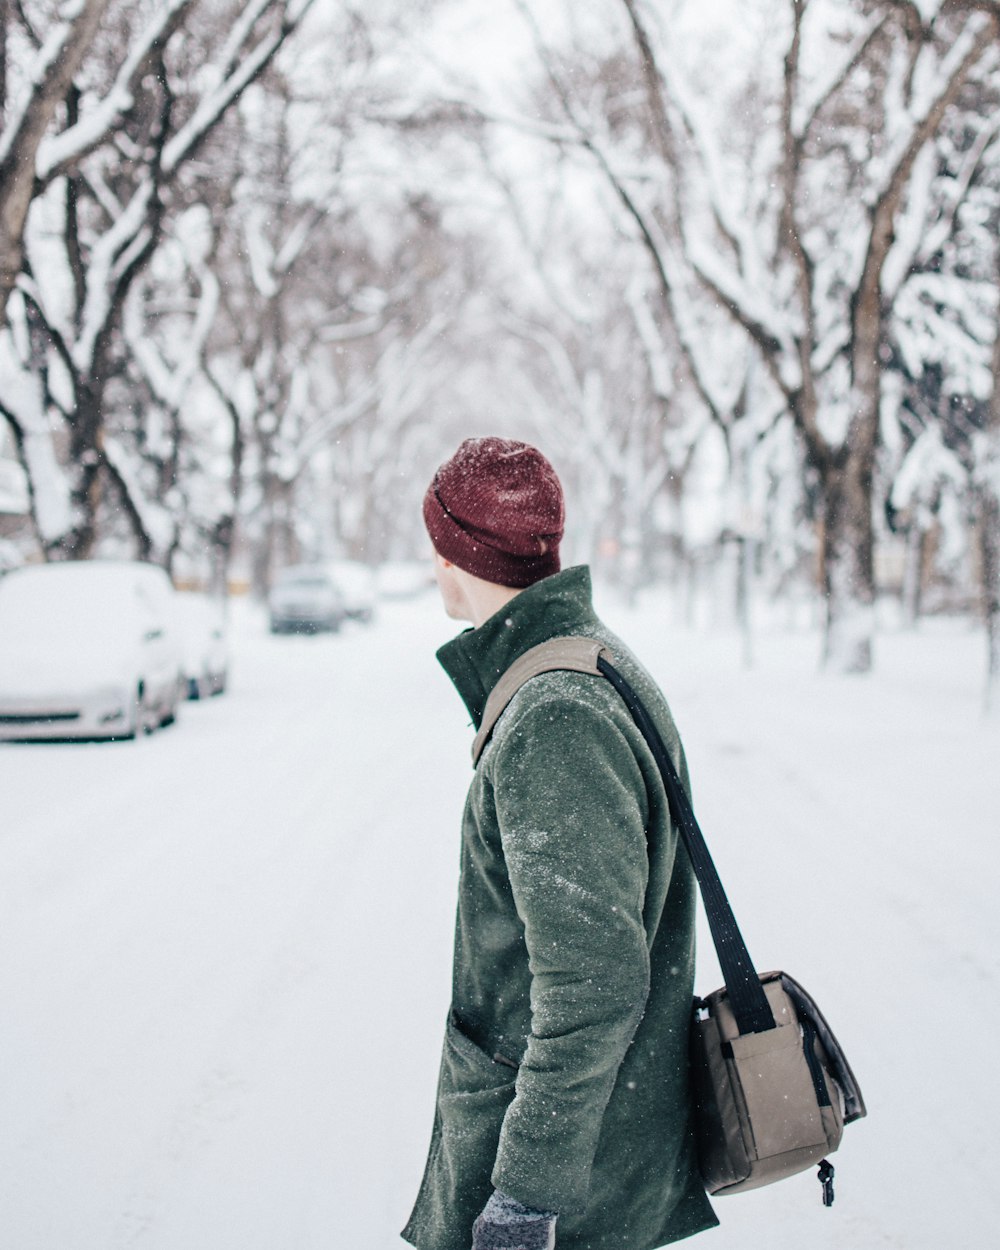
{"x": 772, "y": 1086}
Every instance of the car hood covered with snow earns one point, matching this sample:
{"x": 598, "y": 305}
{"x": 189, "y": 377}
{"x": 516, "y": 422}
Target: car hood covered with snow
{"x": 41, "y": 667}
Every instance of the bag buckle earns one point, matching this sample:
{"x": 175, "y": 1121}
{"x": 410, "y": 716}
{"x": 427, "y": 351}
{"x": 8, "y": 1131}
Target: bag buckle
{"x": 826, "y": 1180}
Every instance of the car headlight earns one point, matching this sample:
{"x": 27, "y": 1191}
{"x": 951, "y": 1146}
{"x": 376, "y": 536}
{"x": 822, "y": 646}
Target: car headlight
{"x": 112, "y": 704}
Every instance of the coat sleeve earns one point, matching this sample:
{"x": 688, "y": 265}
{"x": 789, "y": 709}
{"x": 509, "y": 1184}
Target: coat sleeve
{"x": 570, "y": 802}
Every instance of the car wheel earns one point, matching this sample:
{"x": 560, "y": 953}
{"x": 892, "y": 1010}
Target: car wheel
{"x": 146, "y": 719}
{"x": 132, "y": 717}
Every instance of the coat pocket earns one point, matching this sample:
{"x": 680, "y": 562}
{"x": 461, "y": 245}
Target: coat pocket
{"x": 467, "y": 1069}
{"x": 474, "y": 1092}
{"x": 473, "y": 1099}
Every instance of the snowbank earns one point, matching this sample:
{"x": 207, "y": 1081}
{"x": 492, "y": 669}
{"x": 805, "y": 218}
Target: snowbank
{"x": 224, "y": 950}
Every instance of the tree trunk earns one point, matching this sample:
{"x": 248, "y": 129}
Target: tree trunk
{"x": 744, "y": 587}
{"x": 277, "y": 545}
{"x": 86, "y": 462}
{"x": 223, "y": 540}
{"x": 989, "y": 551}
{"x": 913, "y": 569}
{"x": 847, "y": 568}
{"x": 52, "y": 78}
{"x": 989, "y": 532}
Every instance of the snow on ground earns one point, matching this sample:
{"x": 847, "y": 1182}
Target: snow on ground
{"x": 225, "y": 950}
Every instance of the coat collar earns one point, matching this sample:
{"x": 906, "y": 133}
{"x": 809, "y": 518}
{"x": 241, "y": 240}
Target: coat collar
{"x": 552, "y": 608}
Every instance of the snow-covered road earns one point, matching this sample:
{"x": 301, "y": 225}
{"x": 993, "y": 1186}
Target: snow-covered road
{"x": 224, "y": 950}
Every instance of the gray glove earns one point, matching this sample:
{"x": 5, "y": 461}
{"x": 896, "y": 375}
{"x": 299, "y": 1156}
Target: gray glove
{"x": 508, "y": 1225}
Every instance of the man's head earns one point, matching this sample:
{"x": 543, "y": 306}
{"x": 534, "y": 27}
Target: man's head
{"x": 495, "y": 509}
{"x": 495, "y": 515}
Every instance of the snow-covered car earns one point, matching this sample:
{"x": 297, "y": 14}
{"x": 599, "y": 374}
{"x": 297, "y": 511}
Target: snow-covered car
{"x": 88, "y": 649}
{"x": 206, "y": 645}
{"x": 404, "y": 579}
{"x": 305, "y": 599}
{"x": 356, "y": 583}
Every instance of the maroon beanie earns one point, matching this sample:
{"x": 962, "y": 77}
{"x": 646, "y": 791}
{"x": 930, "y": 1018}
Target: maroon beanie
{"x": 496, "y": 510}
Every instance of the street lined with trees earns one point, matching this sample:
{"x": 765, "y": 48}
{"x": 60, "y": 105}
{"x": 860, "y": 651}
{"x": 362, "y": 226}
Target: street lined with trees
{"x": 260, "y": 262}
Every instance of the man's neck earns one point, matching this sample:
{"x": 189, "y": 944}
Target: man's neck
{"x": 485, "y": 599}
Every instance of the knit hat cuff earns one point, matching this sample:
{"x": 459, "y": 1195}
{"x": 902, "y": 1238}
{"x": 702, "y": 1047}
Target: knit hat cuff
{"x": 469, "y": 549}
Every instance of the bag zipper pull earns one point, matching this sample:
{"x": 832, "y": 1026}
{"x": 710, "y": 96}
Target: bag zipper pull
{"x": 826, "y": 1180}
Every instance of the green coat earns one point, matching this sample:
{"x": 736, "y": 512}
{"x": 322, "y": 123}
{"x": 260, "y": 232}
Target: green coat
{"x": 564, "y": 1074}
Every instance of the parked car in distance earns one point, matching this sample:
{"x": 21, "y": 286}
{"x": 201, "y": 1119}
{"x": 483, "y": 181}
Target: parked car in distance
{"x": 356, "y": 583}
{"x": 88, "y": 649}
{"x": 304, "y": 599}
{"x": 205, "y": 645}
{"x": 404, "y": 579}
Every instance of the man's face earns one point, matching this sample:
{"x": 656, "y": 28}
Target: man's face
{"x": 453, "y": 595}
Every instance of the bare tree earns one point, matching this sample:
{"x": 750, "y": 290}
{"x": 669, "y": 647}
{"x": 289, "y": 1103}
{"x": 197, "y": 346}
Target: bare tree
{"x": 104, "y": 185}
{"x": 820, "y": 327}
{"x": 57, "y": 57}
{"x": 987, "y": 499}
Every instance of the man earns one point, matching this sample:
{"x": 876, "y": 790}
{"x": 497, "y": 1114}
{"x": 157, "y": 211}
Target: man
{"x": 563, "y": 1105}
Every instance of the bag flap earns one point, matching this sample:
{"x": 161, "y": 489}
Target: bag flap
{"x": 805, "y": 1005}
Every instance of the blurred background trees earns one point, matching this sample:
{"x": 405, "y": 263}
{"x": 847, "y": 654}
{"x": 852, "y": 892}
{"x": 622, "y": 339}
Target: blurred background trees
{"x": 263, "y": 263}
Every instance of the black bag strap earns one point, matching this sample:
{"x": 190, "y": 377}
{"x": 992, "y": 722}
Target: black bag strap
{"x": 747, "y": 999}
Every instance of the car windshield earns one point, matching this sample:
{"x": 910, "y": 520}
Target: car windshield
{"x": 45, "y": 610}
